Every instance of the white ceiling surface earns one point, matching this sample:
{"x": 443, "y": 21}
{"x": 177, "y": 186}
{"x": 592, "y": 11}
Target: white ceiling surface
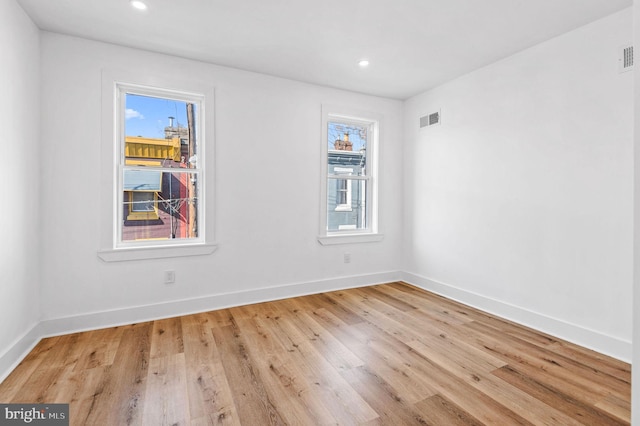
{"x": 413, "y": 45}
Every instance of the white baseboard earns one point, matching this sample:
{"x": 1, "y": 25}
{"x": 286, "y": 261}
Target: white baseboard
{"x": 587, "y": 338}
{"x": 16, "y": 352}
{"x": 135, "y": 314}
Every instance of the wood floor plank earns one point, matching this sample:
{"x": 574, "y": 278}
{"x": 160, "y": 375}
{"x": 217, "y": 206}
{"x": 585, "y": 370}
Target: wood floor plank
{"x": 66, "y": 352}
{"x": 337, "y": 354}
{"x": 253, "y": 403}
{"x": 384, "y": 399}
{"x": 442, "y": 379}
{"x": 456, "y": 355}
{"x": 82, "y": 392}
{"x": 54, "y": 365}
{"x": 568, "y": 404}
{"x": 379, "y": 294}
{"x": 340, "y": 400}
{"x": 461, "y": 391}
{"x": 67, "y": 378}
{"x": 558, "y": 366}
{"x": 582, "y": 385}
{"x": 38, "y": 385}
{"x": 210, "y": 397}
{"x": 219, "y": 318}
{"x": 294, "y": 395}
{"x": 18, "y": 380}
{"x": 119, "y": 398}
{"x": 437, "y": 410}
{"x": 429, "y": 310}
{"x": 330, "y": 302}
{"x": 166, "y": 396}
{"x": 392, "y": 371}
{"x": 388, "y": 319}
{"x": 99, "y": 348}
{"x": 616, "y": 407}
{"x": 436, "y": 305}
{"x": 588, "y": 357}
{"x": 390, "y": 354}
{"x": 167, "y": 338}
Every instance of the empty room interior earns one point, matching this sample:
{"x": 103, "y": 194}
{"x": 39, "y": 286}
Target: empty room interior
{"x": 356, "y": 212}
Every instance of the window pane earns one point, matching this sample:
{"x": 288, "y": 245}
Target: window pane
{"x": 159, "y": 132}
{"x": 346, "y": 204}
{"x": 347, "y": 146}
{"x": 171, "y": 212}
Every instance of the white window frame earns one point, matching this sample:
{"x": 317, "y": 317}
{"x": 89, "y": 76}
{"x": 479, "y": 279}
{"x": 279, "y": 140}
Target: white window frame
{"x": 114, "y": 85}
{"x": 371, "y": 233}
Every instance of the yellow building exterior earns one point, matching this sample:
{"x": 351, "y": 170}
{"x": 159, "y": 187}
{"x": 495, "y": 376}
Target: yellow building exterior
{"x": 164, "y": 149}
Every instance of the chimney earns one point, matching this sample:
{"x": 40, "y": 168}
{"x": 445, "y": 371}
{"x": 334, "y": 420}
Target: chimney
{"x": 171, "y": 121}
{"x": 343, "y": 144}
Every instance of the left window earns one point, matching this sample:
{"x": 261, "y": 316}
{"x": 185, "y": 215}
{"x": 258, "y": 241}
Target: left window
{"x": 156, "y": 192}
{"x": 160, "y": 171}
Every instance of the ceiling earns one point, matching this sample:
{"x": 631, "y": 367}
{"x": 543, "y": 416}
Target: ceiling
{"x": 412, "y": 45}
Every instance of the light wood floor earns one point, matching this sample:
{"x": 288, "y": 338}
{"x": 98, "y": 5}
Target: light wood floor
{"x": 389, "y": 354}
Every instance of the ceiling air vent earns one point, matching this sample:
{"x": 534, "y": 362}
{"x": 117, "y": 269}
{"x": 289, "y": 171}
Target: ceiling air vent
{"x": 430, "y": 119}
{"x": 626, "y": 58}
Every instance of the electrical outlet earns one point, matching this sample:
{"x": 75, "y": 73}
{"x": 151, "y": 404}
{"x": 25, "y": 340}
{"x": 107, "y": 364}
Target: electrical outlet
{"x": 347, "y": 258}
{"x": 169, "y": 277}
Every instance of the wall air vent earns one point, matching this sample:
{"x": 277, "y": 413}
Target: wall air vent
{"x": 430, "y": 119}
{"x": 625, "y": 60}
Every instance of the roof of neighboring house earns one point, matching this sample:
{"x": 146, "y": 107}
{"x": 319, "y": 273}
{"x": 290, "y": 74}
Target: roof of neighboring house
{"x": 346, "y": 158}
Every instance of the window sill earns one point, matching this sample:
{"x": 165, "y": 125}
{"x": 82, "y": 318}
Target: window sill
{"x": 141, "y": 253}
{"x": 343, "y": 208}
{"x": 328, "y": 240}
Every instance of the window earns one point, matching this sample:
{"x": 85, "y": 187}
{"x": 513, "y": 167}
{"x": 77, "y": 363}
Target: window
{"x": 157, "y": 137}
{"x": 159, "y": 176}
{"x": 350, "y": 191}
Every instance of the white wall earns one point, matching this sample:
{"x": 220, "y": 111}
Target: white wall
{"x": 267, "y": 176}
{"x": 520, "y": 202}
{"x": 19, "y": 252}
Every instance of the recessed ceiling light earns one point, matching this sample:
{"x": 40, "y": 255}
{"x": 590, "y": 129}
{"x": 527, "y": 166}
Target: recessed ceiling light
{"x": 138, "y": 5}
{"x": 363, "y": 63}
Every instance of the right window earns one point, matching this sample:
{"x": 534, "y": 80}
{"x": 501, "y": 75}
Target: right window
{"x": 350, "y": 143}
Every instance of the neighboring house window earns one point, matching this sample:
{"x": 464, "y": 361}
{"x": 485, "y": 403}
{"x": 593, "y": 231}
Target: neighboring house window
{"x": 159, "y": 172}
{"x": 349, "y": 148}
{"x": 343, "y": 190}
{"x": 143, "y": 202}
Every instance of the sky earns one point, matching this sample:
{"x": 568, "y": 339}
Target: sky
{"x": 147, "y": 116}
